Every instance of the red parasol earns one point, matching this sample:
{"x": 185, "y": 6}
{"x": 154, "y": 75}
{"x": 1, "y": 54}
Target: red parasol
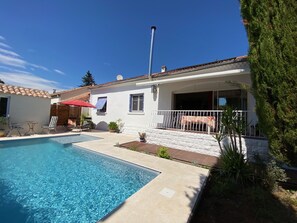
{"x": 78, "y": 103}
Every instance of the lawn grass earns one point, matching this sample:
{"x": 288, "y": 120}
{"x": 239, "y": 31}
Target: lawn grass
{"x": 227, "y": 202}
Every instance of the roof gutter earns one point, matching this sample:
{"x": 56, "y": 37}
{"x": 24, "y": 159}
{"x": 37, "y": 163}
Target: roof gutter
{"x": 195, "y": 77}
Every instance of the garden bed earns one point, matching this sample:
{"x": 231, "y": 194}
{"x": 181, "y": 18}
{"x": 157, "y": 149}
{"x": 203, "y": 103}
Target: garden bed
{"x": 250, "y": 204}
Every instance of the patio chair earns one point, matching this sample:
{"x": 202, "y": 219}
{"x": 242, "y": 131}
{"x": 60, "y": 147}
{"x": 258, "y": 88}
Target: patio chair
{"x": 52, "y": 125}
{"x": 86, "y": 126}
{"x": 13, "y": 126}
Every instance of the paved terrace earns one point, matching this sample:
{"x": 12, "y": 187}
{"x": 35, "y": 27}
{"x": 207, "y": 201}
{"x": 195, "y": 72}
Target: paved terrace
{"x": 169, "y": 198}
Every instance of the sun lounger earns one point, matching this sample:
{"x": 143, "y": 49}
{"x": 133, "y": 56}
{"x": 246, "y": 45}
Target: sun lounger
{"x": 52, "y": 125}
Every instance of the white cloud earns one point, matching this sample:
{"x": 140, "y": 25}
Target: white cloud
{"x": 9, "y": 52}
{"x": 12, "y": 61}
{"x": 38, "y": 66}
{"x": 59, "y": 72}
{"x": 13, "y": 69}
{"x": 29, "y": 80}
{"x": 4, "y": 45}
{"x": 9, "y": 58}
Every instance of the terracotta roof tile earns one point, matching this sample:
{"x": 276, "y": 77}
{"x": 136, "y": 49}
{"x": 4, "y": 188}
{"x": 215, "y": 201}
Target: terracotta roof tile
{"x": 10, "y": 89}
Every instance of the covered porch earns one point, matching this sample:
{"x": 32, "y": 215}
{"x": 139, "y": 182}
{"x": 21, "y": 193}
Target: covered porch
{"x": 202, "y": 112}
{"x": 202, "y": 121}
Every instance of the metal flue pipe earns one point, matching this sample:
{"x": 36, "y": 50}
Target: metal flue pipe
{"x": 151, "y": 51}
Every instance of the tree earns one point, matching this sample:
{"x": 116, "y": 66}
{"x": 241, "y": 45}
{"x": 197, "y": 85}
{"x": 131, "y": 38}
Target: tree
{"x": 88, "y": 79}
{"x": 272, "y": 34}
{"x": 1, "y": 81}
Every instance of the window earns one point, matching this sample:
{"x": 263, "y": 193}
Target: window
{"x": 101, "y": 104}
{"x": 236, "y": 99}
{"x": 136, "y": 103}
{"x": 3, "y": 106}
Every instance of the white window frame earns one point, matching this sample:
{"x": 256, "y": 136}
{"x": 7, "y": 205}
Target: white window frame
{"x": 102, "y": 110}
{"x": 138, "y": 102}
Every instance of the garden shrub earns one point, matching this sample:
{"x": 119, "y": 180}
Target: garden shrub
{"x": 113, "y": 126}
{"x": 267, "y": 173}
{"x": 233, "y": 164}
{"x": 163, "y": 153}
{"x": 273, "y": 175}
{"x": 134, "y": 148}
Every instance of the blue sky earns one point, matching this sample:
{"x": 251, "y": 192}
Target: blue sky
{"x": 51, "y": 44}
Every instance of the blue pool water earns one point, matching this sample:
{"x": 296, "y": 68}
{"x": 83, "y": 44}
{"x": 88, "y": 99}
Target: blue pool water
{"x": 42, "y": 180}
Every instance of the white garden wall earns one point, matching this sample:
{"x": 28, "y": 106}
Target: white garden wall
{"x": 202, "y": 143}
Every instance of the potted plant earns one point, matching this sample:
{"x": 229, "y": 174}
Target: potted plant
{"x": 113, "y": 127}
{"x": 142, "y": 136}
{"x": 3, "y": 122}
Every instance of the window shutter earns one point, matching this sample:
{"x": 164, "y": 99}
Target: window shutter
{"x": 141, "y": 97}
{"x": 130, "y": 104}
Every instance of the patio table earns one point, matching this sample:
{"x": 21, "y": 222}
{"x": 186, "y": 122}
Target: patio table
{"x": 31, "y": 125}
{"x": 208, "y": 120}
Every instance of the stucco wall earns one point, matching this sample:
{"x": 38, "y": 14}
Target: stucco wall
{"x": 202, "y": 143}
{"x": 25, "y": 108}
{"x": 118, "y": 101}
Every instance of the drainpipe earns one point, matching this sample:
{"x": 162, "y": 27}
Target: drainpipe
{"x": 151, "y": 52}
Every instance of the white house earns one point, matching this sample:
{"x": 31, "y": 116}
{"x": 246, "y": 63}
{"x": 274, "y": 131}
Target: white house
{"x": 180, "y": 108}
{"x": 25, "y": 105}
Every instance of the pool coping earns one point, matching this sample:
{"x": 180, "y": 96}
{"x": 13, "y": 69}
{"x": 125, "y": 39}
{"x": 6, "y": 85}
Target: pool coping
{"x": 170, "y": 197}
{"x": 38, "y": 136}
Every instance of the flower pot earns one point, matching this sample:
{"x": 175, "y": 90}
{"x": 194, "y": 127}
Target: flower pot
{"x": 142, "y": 139}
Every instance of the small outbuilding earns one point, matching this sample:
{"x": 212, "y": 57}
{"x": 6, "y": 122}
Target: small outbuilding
{"x": 25, "y": 106}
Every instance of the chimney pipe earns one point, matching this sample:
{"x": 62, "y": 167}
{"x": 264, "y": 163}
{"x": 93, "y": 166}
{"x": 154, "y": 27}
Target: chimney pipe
{"x": 163, "y": 69}
{"x": 151, "y": 51}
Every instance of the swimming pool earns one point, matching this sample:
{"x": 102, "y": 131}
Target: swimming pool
{"x": 42, "y": 180}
